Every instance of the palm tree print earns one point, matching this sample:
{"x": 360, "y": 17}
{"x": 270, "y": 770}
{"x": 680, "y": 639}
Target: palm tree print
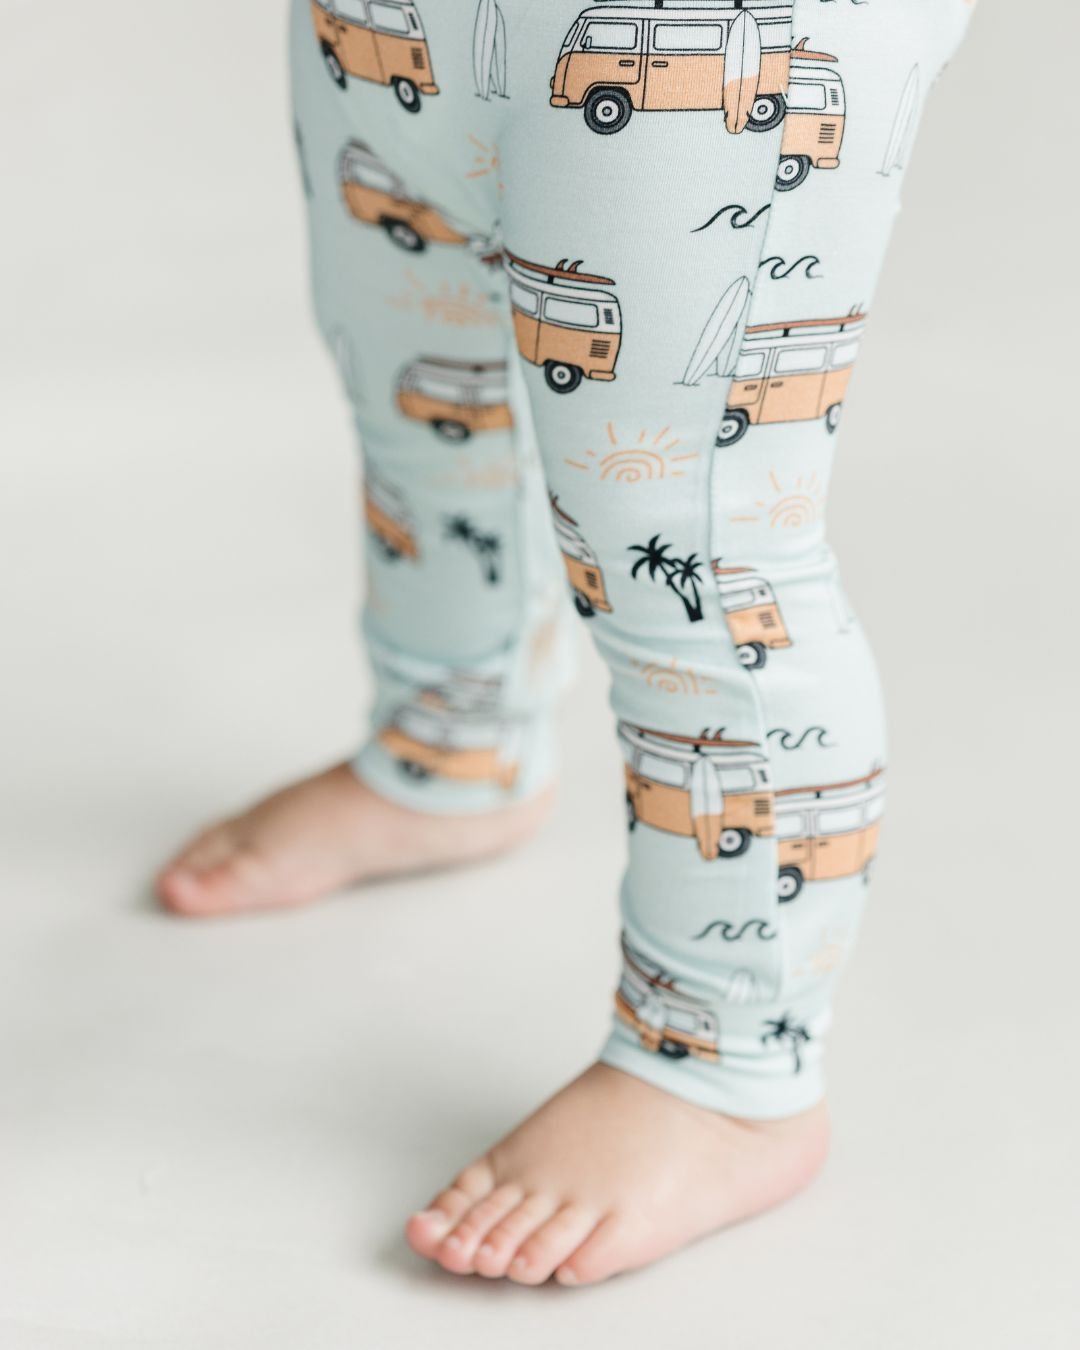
{"x": 682, "y": 575}
{"x": 787, "y": 1031}
{"x": 487, "y": 548}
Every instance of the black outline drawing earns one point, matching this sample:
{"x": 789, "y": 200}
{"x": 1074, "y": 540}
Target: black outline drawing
{"x": 764, "y": 932}
{"x": 786, "y": 1029}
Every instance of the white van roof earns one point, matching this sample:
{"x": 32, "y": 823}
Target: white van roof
{"x": 849, "y": 325}
{"x": 705, "y": 10}
{"x": 831, "y": 794}
{"x": 549, "y": 280}
{"x": 463, "y": 372}
{"x": 671, "y": 746}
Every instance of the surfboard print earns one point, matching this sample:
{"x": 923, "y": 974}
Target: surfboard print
{"x": 903, "y": 129}
{"x": 742, "y": 71}
{"x": 489, "y": 50}
{"x": 716, "y": 348}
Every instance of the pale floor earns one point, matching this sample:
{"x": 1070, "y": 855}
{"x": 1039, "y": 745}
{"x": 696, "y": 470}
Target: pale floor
{"x": 211, "y": 1133}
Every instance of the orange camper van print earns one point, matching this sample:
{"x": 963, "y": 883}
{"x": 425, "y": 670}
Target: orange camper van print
{"x": 455, "y": 397}
{"x": 455, "y": 730}
{"x": 582, "y": 566}
{"x": 388, "y": 520}
{"x": 676, "y": 55}
{"x": 564, "y": 321}
{"x": 753, "y": 616}
{"x": 827, "y": 832}
{"x": 816, "y": 114}
{"x": 667, "y": 1021}
{"x": 375, "y": 195}
{"x": 378, "y": 40}
{"x": 707, "y": 788}
{"x": 791, "y": 372}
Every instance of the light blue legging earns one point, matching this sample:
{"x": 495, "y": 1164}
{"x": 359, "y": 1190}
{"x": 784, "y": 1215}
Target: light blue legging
{"x": 596, "y": 279}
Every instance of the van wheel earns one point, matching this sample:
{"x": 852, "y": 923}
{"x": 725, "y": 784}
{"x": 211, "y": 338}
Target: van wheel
{"x": 607, "y": 111}
{"x": 832, "y": 416}
{"x": 789, "y": 883}
{"x": 402, "y": 233}
{"x": 389, "y": 552}
{"x": 672, "y": 1049}
{"x": 732, "y": 843}
{"x": 752, "y": 655}
{"x": 767, "y": 111}
{"x": 631, "y": 815}
{"x": 333, "y": 65}
{"x": 407, "y": 94}
{"x": 733, "y": 427}
{"x": 562, "y": 378}
{"x": 583, "y": 605}
{"x": 450, "y": 430}
{"x": 412, "y": 770}
{"x": 791, "y": 171}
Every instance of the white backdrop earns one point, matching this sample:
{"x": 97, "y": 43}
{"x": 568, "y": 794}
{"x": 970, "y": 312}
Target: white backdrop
{"x": 210, "y": 1134}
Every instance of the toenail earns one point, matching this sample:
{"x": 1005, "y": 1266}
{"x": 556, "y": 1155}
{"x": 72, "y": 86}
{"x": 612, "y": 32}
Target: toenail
{"x": 519, "y": 1264}
{"x": 453, "y": 1240}
{"x": 565, "y": 1276}
{"x": 434, "y": 1218}
{"x": 486, "y": 1249}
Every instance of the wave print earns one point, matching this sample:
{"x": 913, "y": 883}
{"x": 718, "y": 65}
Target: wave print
{"x": 730, "y": 933}
{"x": 788, "y": 741}
{"x": 740, "y": 217}
{"x": 781, "y": 269}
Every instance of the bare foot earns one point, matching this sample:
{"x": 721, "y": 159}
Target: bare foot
{"x": 609, "y": 1175}
{"x": 324, "y": 833}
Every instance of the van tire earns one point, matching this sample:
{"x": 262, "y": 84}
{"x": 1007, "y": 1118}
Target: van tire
{"x": 789, "y": 882}
{"x": 562, "y": 378}
{"x": 334, "y": 66}
{"x": 607, "y": 111}
{"x": 791, "y": 171}
{"x": 450, "y": 430}
{"x": 733, "y": 427}
{"x": 767, "y": 112}
{"x": 751, "y": 655}
{"x": 407, "y": 93}
{"x": 672, "y": 1049}
{"x": 584, "y": 606}
{"x": 832, "y": 416}
{"x": 411, "y": 769}
{"x": 737, "y": 842}
{"x": 401, "y": 233}
{"x": 631, "y": 814}
{"x": 389, "y": 552}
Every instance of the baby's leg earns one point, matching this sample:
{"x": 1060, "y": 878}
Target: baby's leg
{"x": 723, "y": 281}
{"x": 464, "y": 617}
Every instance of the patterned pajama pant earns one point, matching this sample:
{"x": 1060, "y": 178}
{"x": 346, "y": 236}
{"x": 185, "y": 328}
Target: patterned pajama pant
{"x": 596, "y": 280}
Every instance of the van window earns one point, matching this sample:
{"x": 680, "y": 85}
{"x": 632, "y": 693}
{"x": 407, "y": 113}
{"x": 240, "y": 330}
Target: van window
{"x": 738, "y": 599}
{"x": 488, "y": 395}
{"x": 775, "y": 37}
{"x": 790, "y": 825}
{"x": 840, "y": 820}
{"x": 432, "y": 387}
{"x": 353, "y": 10}
{"x": 390, "y": 18}
{"x": 680, "y": 1020}
{"x": 800, "y": 360}
{"x": 568, "y": 41}
{"x": 688, "y": 37}
{"x": 579, "y": 313}
{"x": 669, "y": 771}
{"x": 749, "y": 365}
{"x": 524, "y": 299}
{"x": 875, "y": 805}
{"x": 844, "y": 353}
{"x": 737, "y": 780}
{"x": 370, "y": 176}
{"x": 610, "y": 37}
{"x": 803, "y": 96}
